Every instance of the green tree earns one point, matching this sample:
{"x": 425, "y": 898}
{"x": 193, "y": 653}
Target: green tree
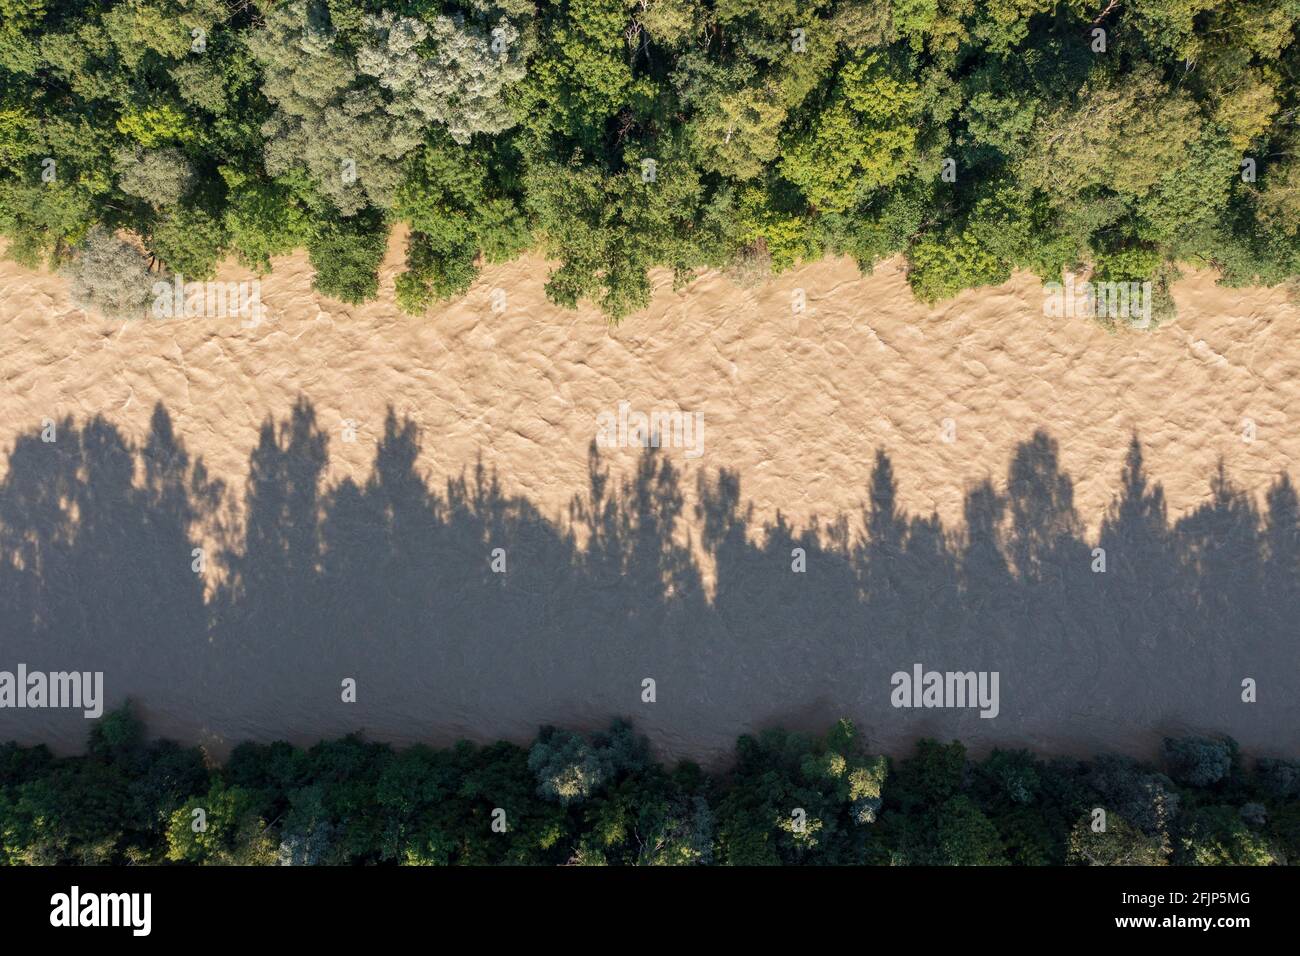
{"x": 864, "y": 138}
{"x": 1119, "y": 844}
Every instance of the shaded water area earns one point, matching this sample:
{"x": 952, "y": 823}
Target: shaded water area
{"x": 390, "y": 582}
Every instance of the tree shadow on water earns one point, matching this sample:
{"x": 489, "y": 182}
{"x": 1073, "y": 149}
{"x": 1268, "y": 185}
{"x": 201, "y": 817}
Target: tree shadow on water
{"x": 462, "y": 610}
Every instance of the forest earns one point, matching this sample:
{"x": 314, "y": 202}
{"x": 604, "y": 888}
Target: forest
{"x": 146, "y": 138}
{"x": 602, "y": 799}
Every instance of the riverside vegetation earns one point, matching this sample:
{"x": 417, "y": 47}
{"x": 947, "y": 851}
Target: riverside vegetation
{"x": 602, "y": 799}
{"x": 159, "y": 136}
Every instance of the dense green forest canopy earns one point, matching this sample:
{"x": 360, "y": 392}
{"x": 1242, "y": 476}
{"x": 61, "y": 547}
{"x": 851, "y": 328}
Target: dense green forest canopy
{"x": 621, "y": 135}
{"x": 602, "y": 799}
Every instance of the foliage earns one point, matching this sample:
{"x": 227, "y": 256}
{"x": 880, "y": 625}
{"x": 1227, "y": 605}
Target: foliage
{"x": 973, "y": 139}
{"x": 160, "y": 177}
{"x": 601, "y": 799}
{"x": 863, "y": 139}
{"x": 1199, "y": 761}
{"x": 110, "y": 276}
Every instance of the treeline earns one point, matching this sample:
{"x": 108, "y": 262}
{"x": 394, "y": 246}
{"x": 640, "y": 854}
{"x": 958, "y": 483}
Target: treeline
{"x": 619, "y": 135}
{"x": 602, "y": 799}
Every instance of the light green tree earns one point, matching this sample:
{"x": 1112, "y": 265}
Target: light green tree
{"x": 864, "y": 138}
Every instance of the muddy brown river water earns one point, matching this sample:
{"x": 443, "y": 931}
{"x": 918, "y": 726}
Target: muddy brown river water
{"x": 878, "y": 485}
